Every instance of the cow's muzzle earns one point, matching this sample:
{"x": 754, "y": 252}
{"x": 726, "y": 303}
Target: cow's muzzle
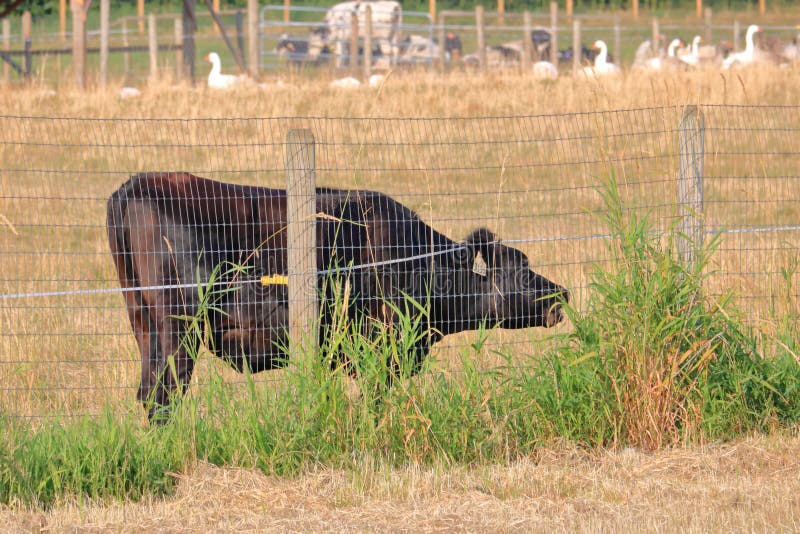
{"x": 555, "y": 314}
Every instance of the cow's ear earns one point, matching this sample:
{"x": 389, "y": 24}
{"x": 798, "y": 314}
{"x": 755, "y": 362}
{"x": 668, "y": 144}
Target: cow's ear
{"x": 480, "y": 243}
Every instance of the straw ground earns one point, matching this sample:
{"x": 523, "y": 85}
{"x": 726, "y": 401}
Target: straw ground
{"x": 751, "y": 485}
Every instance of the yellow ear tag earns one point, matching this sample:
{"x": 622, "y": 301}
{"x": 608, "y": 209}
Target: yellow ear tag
{"x": 274, "y": 280}
{"x": 479, "y": 265}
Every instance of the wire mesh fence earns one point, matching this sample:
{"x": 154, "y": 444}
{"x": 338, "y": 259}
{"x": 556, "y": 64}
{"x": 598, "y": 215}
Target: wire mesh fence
{"x": 66, "y": 342}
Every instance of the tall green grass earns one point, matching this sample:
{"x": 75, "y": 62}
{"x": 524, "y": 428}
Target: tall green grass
{"x": 651, "y": 360}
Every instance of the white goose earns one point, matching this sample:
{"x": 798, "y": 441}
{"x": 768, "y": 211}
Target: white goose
{"x": 217, "y": 80}
{"x": 748, "y": 55}
{"x": 601, "y": 65}
{"x": 693, "y": 57}
{"x": 345, "y": 83}
{"x": 657, "y": 63}
{"x": 544, "y": 70}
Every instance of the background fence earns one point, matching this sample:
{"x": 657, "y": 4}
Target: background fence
{"x": 531, "y": 179}
{"x": 155, "y": 51}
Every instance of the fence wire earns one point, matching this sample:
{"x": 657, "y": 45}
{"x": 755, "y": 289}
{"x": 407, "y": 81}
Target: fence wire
{"x": 67, "y": 348}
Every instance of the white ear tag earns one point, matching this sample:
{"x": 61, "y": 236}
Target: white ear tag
{"x": 479, "y": 265}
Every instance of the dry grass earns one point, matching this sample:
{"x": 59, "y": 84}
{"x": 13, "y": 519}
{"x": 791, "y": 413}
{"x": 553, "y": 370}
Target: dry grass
{"x": 417, "y": 94}
{"x": 752, "y": 485}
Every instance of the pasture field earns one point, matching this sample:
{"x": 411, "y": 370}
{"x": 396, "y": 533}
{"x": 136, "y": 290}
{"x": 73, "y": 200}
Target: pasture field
{"x": 522, "y": 157}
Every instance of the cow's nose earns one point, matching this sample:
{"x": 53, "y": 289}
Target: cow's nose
{"x": 554, "y": 315}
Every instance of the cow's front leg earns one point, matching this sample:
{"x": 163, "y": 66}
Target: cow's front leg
{"x": 170, "y": 374}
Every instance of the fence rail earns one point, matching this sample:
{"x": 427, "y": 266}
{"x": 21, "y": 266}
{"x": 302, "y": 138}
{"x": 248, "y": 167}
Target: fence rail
{"x": 66, "y": 345}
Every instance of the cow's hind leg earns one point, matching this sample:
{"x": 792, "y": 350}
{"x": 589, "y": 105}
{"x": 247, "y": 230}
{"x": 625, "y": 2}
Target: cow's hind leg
{"x": 161, "y": 256}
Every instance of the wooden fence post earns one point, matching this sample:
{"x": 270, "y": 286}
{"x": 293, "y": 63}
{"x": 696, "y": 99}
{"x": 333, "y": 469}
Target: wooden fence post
{"x": 635, "y": 9}
{"x": 140, "y": 15}
{"x": 189, "y": 27}
{"x": 479, "y": 30}
{"x": 691, "y": 143}
{"x": 353, "y": 59}
{"x": 442, "y": 52}
{"x": 554, "y": 33}
{"x": 698, "y": 6}
{"x": 26, "y": 40}
{"x": 301, "y": 239}
{"x": 6, "y": 47}
{"x": 78, "y": 44}
{"x": 736, "y": 31}
{"x": 126, "y": 56}
{"x": 708, "y": 24}
{"x": 152, "y": 46}
{"x": 368, "y": 42}
{"x": 576, "y": 46}
{"x": 240, "y": 37}
{"x": 105, "y": 10}
{"x": 618, "y": 39}
{"x": 527, "y": 43}
{"x": 656, "y": 38}
{"x": 253, "y": 38}
{"x": 62, "y": 19}
{"x": 178, "y": 22}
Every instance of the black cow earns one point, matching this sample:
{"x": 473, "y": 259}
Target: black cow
{"x": 169, "y": 229}
{"x": 300, "y": 51}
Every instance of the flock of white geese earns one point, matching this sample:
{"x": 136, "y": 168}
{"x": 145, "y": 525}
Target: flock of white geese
{"x": 774, "y": 52}
{"x": 676, "y": 56}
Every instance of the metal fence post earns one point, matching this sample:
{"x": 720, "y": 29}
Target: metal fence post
{"x": 691, "y": 141}
{"x": 301, "y": 238}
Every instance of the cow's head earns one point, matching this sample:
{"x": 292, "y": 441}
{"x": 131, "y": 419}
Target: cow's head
{"x": 285, "y": 45}
{"x": 507, "y": 292}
